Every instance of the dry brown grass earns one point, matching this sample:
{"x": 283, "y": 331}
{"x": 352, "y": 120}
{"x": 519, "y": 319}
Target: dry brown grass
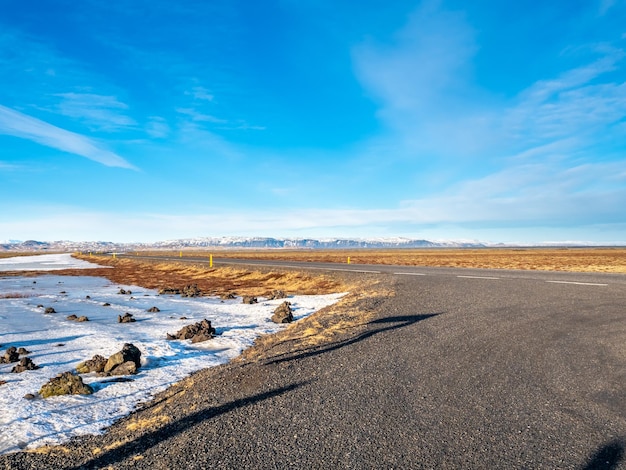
{"x": 327, "y": 326}
{"x": 153, "y": 422}
{"x": 211, "y": 281}
{"x": 609, "y": 260}
{"x": 14, "y": 295}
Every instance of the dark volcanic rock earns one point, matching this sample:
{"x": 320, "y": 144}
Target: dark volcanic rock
{"x": 154, "y": 309}
{"x": 197, "y": 332}
{"x": 25, "y": 364}
{"x": 277, "y": 294}
{"x": 169, "y": 291}
{"x": 283, "y": 313}
{"x": 10, "y": 355}
{"x": 191, "y": 290}
{"x": 125, "y": 292}
{"x": 71, "y": 317}
{"x": 117, "y": 363}
{"x": 249, "y": 299}
{"x": 127, "y": 318}
{"x": 95, "y": 364}
{"x": 228, "y": 296}
{"x": 49, "y": 310}
{"x": 65, "y": 384}
{"x": 22, "y": 351}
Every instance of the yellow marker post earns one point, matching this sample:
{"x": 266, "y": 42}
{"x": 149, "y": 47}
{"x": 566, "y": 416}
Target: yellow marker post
{"x": 90, "y": 255}
{"x": 210, "y": 261}
{"x": 113, "y": 255}
{"x": 348, "y": 260}
{"x": 181, "y": 254}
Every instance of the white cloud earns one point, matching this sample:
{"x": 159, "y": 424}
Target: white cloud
{"x": 157, "y": 127}
{"x": 26, "y": 127}
{"x": 200, "y": 117}
{"x": 200, "y": 93}
{"x": 100, "y": 112}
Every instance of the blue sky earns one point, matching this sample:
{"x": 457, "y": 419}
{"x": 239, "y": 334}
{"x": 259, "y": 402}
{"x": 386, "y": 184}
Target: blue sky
{"x": 152, "y": 120}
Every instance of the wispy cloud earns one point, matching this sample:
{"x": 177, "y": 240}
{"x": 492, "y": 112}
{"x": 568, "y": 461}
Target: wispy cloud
{"x": 4, "y": 166}
{"x": 26, "y": 127}
{"x": 200, "y": 93}
{"x": 157, "y": 127}
{"x": 99, "y": 112}
{"x": 200, "y": 117}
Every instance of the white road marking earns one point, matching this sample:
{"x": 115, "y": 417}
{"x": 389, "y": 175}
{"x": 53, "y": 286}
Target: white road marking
{"x": 410, "y": 274}
{"x": 349, "y": 270}
{"x": 478, "y": 277}
{"x": 578, "y": 283}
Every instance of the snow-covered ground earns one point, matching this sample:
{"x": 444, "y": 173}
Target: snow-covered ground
{"x": 44, "y": 263}
{"x": 58, "y": 345}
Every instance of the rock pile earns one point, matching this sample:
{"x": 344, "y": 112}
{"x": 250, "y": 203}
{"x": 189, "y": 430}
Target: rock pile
{"x": 75, "y": 318}
{"x": 124, "y": 362}
{"x": 277, "y": 294}
{"x": 197, "y": 332}
{"x": 191, "y": 290}
{"x": 10, "y": 355}
{"x": 95, "y": 364}
{"x": 65, "y": 384}
{"x": 283, "y": 313}
{"x": 25, "y": 364}
{"x": 169, "y": 291}
{"x": 127, "y": 318}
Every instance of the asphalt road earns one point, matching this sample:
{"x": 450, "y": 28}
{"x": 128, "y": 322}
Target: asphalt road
{"x": 460, "y": 369}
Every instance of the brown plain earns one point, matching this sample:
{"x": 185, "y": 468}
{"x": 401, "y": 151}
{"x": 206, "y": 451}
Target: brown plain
{"x": 607, "y": 260}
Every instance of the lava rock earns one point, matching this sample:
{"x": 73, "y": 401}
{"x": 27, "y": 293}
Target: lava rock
{"x": 277, "y": 294}
{"x": 127, "y": 318}
{"x": 10, "y": 355}
{"x": 95, "y": 364}
{"x": 169, "y": 291}
{"x": 283, "y": 313}
{"x": 25, "y": 364}
{"x": 191, "y": 290}
{"x": 66, "y": 383}
{"x": 117, "y": 363}
{"x": 198, "y": 332}
{"x": 154, "y": 309}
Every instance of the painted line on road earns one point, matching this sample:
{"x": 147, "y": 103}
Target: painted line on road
{"x": 410, "y": 274}
{"x": 578, "y": 283}
{"x": 478, "y": 277}
{"x": 350, "y": 270}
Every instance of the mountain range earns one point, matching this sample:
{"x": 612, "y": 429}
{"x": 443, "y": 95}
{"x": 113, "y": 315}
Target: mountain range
{"x": 235, "y": 242}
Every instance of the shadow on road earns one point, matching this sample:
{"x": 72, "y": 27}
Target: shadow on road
{"x": 608, "y": 457}
{"x": 151, "y": 439}
{"x": 374, "y": 327}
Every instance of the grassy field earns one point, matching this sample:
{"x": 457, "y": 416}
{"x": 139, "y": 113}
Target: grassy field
{"x": 609, "y": 260}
